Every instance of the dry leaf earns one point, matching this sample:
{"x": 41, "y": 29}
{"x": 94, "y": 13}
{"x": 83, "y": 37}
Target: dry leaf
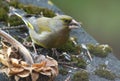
{"x": 3, "y": 60}
{"x": 21, "y": 69}
{"x": 17, "y": 78}
{"x": 39, "y": 65}
{"x": 9, "y": 50}
{"x": 39, "y": 58}
{"x": 51, "y": 62}
{"x": 23, "y": 63}
{"x": 15, "y": 70}
{"x": 24, "y": 73}
{"x": 35, "y": 76}
{"x": 15, "y": 62}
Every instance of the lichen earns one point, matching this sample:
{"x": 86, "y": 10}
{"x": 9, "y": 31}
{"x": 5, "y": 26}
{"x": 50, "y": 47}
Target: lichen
{"x": 81, "y": 76}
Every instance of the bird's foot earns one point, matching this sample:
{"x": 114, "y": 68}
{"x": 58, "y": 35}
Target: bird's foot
{"x": 55, "y": 53}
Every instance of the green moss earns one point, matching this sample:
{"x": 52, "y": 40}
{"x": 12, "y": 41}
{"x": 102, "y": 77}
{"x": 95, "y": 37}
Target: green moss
{"x": 4, "y": 5}
{"x": 15, "y": 21}
{"x": 105, "y": 74}
{"x": 63, "y": 71}
{"x": 3, "y": 15}
{"x": 101, "y": 66}
{"x": 81, "y": 76}
{"x": 3, "y": 11}
{"x": 30, "y": 9}
{"x": 99, "y": 50}
{"x": 108, "y": 49}
{"x": 14, "y": 3}
{"x": 69, "y": 46}
{"x": 80, "y": 62}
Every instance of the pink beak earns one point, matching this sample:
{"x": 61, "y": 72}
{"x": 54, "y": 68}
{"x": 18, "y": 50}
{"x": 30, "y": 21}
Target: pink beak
{"x": 74, "y": 24}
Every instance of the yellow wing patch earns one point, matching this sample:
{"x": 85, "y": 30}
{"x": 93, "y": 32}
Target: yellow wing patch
{"x": 44, "y": 28}
{"x": 30, "y": 25}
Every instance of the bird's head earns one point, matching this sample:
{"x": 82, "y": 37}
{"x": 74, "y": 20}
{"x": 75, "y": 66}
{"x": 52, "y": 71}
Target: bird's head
{"x": 68, "y": 21}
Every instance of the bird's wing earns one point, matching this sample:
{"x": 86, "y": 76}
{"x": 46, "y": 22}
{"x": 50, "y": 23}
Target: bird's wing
{"x": 21, "y": 14}
{"x": 42, "y": 25}
{"x": 39, "y": 24}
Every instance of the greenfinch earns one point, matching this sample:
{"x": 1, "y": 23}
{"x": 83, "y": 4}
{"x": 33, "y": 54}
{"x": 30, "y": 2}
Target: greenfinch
{"x": 48, "y": 32}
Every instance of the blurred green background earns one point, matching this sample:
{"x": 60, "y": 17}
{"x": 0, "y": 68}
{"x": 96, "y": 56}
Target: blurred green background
{"x": 100, "y": 18}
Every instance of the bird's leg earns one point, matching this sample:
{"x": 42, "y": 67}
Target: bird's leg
{"x": 55, "y": 52}
{"x": 33, "y": 44}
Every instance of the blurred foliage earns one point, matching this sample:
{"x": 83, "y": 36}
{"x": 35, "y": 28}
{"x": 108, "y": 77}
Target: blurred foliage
{"x": 81, "y": 76}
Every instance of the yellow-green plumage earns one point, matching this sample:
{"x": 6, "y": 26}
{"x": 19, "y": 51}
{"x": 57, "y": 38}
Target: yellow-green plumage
{"x": 49, "y": 32}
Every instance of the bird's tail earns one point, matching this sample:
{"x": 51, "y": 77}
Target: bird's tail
{"x": 21, "y": 14}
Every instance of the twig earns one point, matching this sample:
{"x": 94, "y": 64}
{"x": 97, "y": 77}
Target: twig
{"x": 67, "y": 63}
{"x": 85, "y": 50}
{"x": 22, "y": 50}
{"x": 68, "y": 78}
{"x": 12, "y": 27}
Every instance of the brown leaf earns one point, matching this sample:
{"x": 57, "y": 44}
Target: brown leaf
{"x": 54, "y": 66}
{"x": 17, "y": 78}
{"x": 9, "y": 50}
{"x": 51, "y": 62}
{"x": 50, "y": 68}
{"x": 54, "y": 71}
{"x": 3, "y": 60}
{"x": 23, "y": 63}
{"x": 46, "y": 71}
{"x": 15, "y": 62}
{"x": 4, "y": 45}
{"x": 39, "y": 58}
{"x": 15, "y": 70}
{"x": 39, "y": 65}
{"x": 24, "y": 73}
{"x": 35, "y": 76}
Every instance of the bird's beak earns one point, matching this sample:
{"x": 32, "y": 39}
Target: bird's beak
{"x": 74, "y": 24}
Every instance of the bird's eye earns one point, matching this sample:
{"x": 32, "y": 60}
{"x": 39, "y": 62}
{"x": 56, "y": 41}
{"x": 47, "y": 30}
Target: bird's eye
{"x": 67, "y": 21}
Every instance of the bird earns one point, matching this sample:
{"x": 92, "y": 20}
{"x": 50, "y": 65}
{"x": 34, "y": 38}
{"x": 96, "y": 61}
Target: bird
{"x": 47, "y": 32}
